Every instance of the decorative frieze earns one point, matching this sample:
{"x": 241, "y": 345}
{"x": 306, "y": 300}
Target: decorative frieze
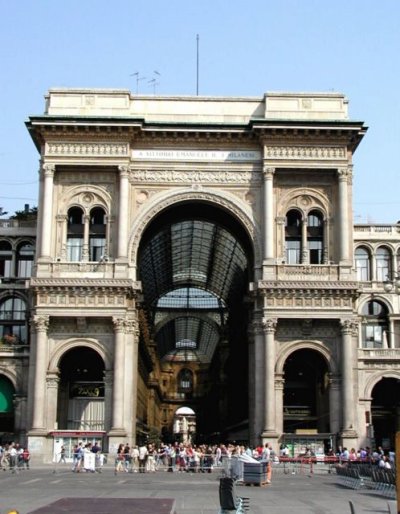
{"x": 89, "y": 293}
{"x": 194, "y": 176}
{"x": 298, "y": 301}
{"x": 306, "y": 152}
{"x": 87, "y": 149}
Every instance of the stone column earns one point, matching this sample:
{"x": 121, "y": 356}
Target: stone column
{"x": 348, "y": 328}
{"x": 268, "y": 212}
{"x": 62, "y": 223}
{"x": 117, "y": 422}
{"x": 123, "y": 212}
{"x": 304, "y": 244}
{"x": 391, "y": 335}
{"x": 256, "y": 381}
{"x": 269, "y": 431}
{"x": 281, "y": 239}
{"x": 344, "y": 175}
{"x": 131, "y": 374}
{"x": 279, "y": 388}
{"x": 334, "y": 404}
{"x": 40, "y": 325}
{"x": 325, "y": 254}
{"x": 373, "y": 273}
{"x": 52, "y": 382}
{"x": 48, "y": 171}
{"x": 108, "y": 399}
{"x": 85, "y": 247}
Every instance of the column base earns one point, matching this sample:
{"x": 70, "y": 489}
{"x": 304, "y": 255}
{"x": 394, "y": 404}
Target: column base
{"x": 348, "y": 438}
{"x": 271, "y": 437}
{"x": 117, "y": 432}
{"x": 38, "y": 432}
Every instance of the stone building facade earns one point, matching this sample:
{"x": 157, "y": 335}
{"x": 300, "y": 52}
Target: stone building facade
{"x": 200, "y": 253}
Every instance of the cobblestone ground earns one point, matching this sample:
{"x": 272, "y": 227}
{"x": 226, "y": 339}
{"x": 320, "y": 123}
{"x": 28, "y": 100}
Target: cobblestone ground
{"x": 194, "y": 493}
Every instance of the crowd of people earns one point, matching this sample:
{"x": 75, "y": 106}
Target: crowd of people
{"x": 15, "y": 457}
{"x": 383, "y": 458}
{"x": 180, "y": 457}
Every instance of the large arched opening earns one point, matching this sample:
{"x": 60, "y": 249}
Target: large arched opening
{"x": 7, "y": 393}
{"x": 195, "y": 261}
{"x": 385, "y": 408}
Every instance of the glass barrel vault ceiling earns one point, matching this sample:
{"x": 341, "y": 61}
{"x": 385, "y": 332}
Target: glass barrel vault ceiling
{"x": 191, "y": 269}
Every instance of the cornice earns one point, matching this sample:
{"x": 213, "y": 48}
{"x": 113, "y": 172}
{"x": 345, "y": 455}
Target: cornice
{"x": 84, "y": 283}
{"x": 287, "y": 285}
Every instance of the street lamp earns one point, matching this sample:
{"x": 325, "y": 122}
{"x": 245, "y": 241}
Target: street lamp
{"x": 392, "y": 285}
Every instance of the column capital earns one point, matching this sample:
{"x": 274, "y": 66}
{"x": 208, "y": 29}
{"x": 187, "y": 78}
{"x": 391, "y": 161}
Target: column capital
{"x": 269, "y": 325}
{"x": 345, "y": 174}
{"x": 119, "y": 324}
{"x": 52, "y": 379}
{"x": 268, "y": 171}
{"x": 48, "y": 170}
{"x": 123, "y": 170}
{"x": 349, "y": 327}
{"x": 132, "y": 327}
{"x": 40, "y": 323}
{"x": 108, "y": 377}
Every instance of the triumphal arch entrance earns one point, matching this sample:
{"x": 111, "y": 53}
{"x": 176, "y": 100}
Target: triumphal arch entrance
{"x": 194, "y": 256}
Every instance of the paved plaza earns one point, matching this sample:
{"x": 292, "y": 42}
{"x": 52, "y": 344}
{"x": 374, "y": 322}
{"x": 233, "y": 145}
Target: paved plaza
{"x": 194, "y": 493}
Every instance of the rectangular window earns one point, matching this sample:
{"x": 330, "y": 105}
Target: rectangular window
{"x": 97, "y": 248}
{"x": 373, "y": 336}
{"x": 25, "y": 268}
{"x": 382, "y": 271}
{"x": 74, "y": 249}
{"x": 362, "y": 266}
{"x": 5, "y": 267}
{"x": 315, "y": 251}
{"x": 293, "y": 251}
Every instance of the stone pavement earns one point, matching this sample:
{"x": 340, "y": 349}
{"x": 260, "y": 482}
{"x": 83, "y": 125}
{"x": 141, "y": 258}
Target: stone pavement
{"x": 193, "y": 493}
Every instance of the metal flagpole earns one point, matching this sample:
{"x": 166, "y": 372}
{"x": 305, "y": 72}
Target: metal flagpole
{"x": 197, "y": 67}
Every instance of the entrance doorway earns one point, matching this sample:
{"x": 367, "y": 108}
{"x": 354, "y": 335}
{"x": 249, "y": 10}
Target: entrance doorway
{"x": 385, "y": 409}
{"x": 7, "y": 393}
{"x": 81, "y": 390}
{"x": 306, "y": 393}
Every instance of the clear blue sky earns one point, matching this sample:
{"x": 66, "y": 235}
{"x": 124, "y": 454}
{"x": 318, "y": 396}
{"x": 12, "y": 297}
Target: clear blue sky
{"x": 246, "y": 48}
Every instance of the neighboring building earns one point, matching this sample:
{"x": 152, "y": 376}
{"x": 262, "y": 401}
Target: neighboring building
{"x": 200, "y": 253}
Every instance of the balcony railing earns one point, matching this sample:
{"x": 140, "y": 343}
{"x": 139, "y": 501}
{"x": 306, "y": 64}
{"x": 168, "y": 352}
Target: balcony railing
{"x": 14, "y": 348}
{"x": 379, "y": 353}
{"x": 306, "y": 272}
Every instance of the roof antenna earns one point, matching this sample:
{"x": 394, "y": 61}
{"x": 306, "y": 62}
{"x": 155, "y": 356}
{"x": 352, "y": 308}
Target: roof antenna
{"x": 138, "y": 79}
{"x": 154, "y": 81}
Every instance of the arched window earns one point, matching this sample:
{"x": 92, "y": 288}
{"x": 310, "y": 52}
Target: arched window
{"x": 363, "y": 264}
{"x": 75, "y": 233}
{"x": 383, "y": 264}
{"x": 25, "y": 252}
{"x": 375, "y": 325}
{"x": 293, "y": 237}
{"x": 97, "y": 234}
{"x": 5, "y": 259}
{"x": 13, "y": 324}
{"x": 315, "y": 237}
{"x": 185, "y": 381}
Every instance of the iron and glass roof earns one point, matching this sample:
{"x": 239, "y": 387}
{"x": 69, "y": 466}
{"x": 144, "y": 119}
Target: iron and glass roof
{"x": 191, "y": 270}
